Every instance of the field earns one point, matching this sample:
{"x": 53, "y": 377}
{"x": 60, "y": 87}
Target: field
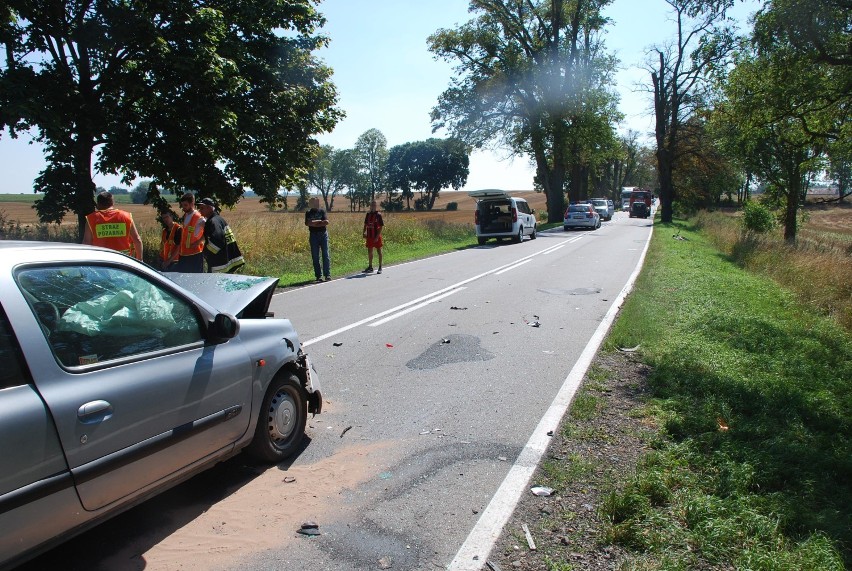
{"x": 274, "y": 242}
{"x": 18, "y": 207}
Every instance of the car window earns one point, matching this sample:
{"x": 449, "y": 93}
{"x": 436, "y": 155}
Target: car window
{"x": 580, "y": 208}
{"x": 12, "y": 371}
{"x": 91, "y": 314}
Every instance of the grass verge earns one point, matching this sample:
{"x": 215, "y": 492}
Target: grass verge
{"x": 751, "y": 390}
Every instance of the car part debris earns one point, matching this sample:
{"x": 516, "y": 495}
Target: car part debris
{"x": 309, "y": 528}
{"x": 541, "y": 491}
{"x": 529, "y": 536}
{"x": 345, "y": 430}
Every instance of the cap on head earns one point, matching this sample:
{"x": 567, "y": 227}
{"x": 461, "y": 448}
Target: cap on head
{"x": 207, "y": 202}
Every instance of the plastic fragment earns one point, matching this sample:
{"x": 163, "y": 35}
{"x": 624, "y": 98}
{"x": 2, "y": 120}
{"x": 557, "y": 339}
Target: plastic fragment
{"x": 541, "y": 491}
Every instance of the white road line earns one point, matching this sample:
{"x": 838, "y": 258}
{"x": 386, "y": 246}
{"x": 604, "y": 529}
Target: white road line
{"x": 510, "y": 268}
{"x": 479, "y": 543}
{"x": 414, "y": 308}
{"x": 345, "y": 328}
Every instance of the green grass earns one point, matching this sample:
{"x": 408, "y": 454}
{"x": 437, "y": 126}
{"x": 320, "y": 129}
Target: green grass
{"x": 753, "y": 395}
{"x": 404, "y": 239}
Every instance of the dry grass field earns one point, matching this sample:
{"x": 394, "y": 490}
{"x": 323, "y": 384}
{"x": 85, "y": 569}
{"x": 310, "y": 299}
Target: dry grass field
{"x": 23, "y": 212}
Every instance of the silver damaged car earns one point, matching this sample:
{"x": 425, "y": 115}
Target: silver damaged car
{"x": 118, "y": 382}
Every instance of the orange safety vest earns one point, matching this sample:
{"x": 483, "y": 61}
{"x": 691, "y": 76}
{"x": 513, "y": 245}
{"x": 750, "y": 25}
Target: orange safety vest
{"x": 111, "y": 229}
{"x": 168, "y": 246}
{"x": 195, "y": 221}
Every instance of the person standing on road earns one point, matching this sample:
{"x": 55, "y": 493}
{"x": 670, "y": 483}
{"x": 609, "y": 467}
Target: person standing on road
{"x": 373, "y": 225}
{"x": 221, "y": 250}
{"x": 169, "y": 241}
{"x": 317, "y": 223}
{"x": 112, "y": 228}
{"x": 189, "y": 256}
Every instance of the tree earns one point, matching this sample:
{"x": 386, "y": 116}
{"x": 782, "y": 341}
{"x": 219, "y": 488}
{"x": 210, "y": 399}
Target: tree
{"x": 532, "y": 77}
{"x": 332, "y": 172}
{"x": 678, "y": 77}
{"x": 428, "y": 166}
{"x": 753, "y": 124}
{"x": 140, "y": 192}
{"x": 214, "y": 96}
{"x": 371, "y": 157}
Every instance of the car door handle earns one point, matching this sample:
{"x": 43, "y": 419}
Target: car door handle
{"x": 95, "y": 411}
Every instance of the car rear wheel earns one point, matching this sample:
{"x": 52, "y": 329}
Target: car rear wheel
{"x": 532, "y": 236}
{"x": 281, "y": 420}
{"x": 520, "y": 235}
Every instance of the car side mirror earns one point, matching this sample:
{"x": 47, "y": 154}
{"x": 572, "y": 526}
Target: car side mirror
{"x": 224, "y": 326}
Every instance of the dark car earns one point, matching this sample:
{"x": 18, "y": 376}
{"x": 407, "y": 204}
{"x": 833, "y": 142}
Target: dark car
{"x": 118, "y": 382}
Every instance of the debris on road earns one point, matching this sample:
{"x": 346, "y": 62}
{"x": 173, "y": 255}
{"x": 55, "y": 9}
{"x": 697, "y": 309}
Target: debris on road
{"x": 345, "y": 430}
{"x": 289, "y": 479}
{"x": 445, "y": 341}
{"x": 458, "y": 308}
{"x": 337, "y": 344}
{"x": 385, "y": 562}
{"x": 309, "y": 528}
{"x": 527, "y": 533}
{"x": 493, "y": 566}
{"x": 629, "y": 350}
{"x": 388, "y": 345}
{"x": 541, "y": 491}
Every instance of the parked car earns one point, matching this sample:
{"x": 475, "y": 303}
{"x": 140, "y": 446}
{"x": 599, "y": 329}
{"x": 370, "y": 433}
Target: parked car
{"x": 581, "y": 215}
{"x": 602, "y": 208}
{"x": 119, "y": 382}
{"x": 611, "y": 205}
{"x": 499, "y": 215}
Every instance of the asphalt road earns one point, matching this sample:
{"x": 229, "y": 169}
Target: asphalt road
{"x": 435, "y": 374}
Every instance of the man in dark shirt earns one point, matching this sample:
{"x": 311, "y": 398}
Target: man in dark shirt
{"x": 220, "y": 250}
{"x": 317, "y": 223}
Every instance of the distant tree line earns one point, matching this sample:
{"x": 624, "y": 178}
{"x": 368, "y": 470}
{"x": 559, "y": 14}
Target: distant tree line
{"x": 370, "y": 171}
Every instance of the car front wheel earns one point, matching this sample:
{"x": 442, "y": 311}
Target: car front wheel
{"x": 281, "y": 420}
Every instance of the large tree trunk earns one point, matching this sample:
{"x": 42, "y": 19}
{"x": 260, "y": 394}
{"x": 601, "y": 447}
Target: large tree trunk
{"x": 84, "y": 186}
{"x": 664, "y": 168}
{"x": 552, "y": 179}
{"x": 794, "y": 193}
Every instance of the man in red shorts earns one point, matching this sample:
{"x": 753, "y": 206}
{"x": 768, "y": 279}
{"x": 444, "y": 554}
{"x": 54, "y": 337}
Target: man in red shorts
{"x": 373, "y": 225}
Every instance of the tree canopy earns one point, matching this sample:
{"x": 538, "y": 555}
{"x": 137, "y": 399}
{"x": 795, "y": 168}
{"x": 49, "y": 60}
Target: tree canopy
{"x": 214, "y": 96}
{"x": 532, "y": 77}
{"x": 428, "y": 166}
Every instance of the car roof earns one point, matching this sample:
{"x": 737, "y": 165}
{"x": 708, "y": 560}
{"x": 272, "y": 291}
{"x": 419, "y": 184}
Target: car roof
{"x": 492, "y": 193}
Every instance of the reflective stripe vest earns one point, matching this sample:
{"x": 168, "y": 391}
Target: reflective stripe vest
{"x": 167, "y": 241}
{"x": 190, "y": 228}
{"x": 110, "y": 228}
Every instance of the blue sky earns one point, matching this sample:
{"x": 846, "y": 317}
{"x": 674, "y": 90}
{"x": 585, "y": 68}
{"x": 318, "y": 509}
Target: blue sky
{"x": 388, "y": 80}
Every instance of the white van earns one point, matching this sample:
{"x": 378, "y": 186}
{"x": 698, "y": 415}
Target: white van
{"x": 499, "y": 216}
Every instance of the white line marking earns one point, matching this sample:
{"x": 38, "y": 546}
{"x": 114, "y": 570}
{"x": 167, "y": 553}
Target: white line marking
{"x": 519, "y": 264}
{"x": 561, "y": 245}
{"x": 414, "y": 308}
{"x": 473, "y": 553}
{"x": 420, "y": 299}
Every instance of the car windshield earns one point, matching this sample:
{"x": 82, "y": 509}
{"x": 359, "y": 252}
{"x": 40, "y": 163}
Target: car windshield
{"x": 599, "y": 202}
{"x": 579, "y": 208}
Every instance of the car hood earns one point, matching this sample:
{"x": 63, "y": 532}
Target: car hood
{"x": 246, "y": 297}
